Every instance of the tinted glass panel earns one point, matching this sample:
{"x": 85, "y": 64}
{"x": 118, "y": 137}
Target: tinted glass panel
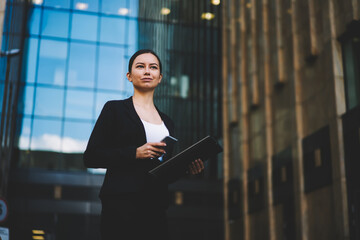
{"x": 114, "y": 7}
{"x": 49, "y": 102}
{"x": 81, "y": 71}
{"x": 84, "y": 27}
{"x": 79, "y": 104}
{"x": 34, "y": 22}
{"x": 86, "y": 5}
{"x": 24, "y": 141}
{"x": 134, "y": 8}
{"x": 52, "y": 62}
{"x": 133, "y": 36}
{"x": 46, "y": 135}
{"x": 113, "y": 30}
{"x": 31, "y": 59}
{"x": 1, "y": 94}
{"x": 55, "y": 23}
{"x": 76, "y": 136}
{"x": 112, "y": 68}
{"x": 57, "y": 3}
{"x": 28, "y": 100}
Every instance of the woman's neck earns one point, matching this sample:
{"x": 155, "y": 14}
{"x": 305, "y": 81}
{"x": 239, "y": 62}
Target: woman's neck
{"x": 145, "y": 100}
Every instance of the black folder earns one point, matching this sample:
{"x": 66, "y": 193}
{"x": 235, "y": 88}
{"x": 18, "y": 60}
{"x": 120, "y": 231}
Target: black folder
{"x": 176, "y": 167}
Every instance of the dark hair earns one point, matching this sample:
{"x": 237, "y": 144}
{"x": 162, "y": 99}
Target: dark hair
{"x": 142, "y": 51}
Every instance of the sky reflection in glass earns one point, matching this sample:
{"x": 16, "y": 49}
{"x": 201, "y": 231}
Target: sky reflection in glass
{"x": 133, "y": 36}
{"x": 55, "y": 23}
{"x": 49, "y": 102}
{"x": 52, "y": 62}
{"x": 86, "y": 5}
{"x": 84, "y": 27}
{"x": 31, "y": 59}
{"x": 46, "y": 135}
{"x": 57, "y": 3}
{"x": 113, "y": 7}
{"x": 81, "y": 72}
{"x": 34, "y": 23}
{"x": 76, "y": 61}
{"x": 79, "y": 104}
{"x": 112, "y": 68}
{"x": 29, "y": 100}
{"x": 113, "y": 30}
{"x": 76, "y": 135}
{"x": 25, "y": 133}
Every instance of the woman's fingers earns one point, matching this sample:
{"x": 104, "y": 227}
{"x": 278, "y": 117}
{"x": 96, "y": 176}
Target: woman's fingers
{"x": 196, "y": 166}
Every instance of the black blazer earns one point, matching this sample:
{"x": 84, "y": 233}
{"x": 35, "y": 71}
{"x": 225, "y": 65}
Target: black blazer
{"x": 116, "y": 135}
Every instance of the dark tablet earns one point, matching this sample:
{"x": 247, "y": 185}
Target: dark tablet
{"x": 177, "y": 166}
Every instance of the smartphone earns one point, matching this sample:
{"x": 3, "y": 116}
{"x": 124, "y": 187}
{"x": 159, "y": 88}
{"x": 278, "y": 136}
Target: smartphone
{"x": 170, "y": 141}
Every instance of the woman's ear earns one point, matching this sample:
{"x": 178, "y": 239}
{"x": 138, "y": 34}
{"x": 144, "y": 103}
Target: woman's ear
{"x": 128, "y": 75}
{"x": 160, "y": 78}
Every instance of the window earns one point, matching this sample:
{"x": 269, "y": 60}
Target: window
{"x": 351, "y": 62}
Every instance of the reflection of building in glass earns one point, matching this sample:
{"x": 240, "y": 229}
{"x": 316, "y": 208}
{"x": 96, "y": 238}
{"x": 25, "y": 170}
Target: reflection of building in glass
{"x": 291, "y": 72}
{"x": 73, "y": 59}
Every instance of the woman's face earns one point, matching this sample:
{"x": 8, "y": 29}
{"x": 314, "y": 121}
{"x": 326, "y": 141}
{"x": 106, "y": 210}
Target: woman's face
{"x": 145, "y": 72}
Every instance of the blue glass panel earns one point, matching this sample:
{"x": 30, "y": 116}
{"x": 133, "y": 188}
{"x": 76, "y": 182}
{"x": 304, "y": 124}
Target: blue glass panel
{"x": 103, "y": 97}
{"x": 55, "y": 23}
{"x": 52, "y": 62}
{"x": 46, "y": 135}
{"x": 112, "y": 68}
{"x": 134, "y": 8}
{"x": 76, "y": 135}
{"x": 133, "y": 36}
{"x": 24, "y": 139}
{"x": 57, "y": 3}
{"x": 113, "y": 30}
{"x": 49, "y": 102}
{"x": 28, "y": 100}
{"x": 34, "y": 22}
{"x": 1, "y": 94}
{"x": 84, "y": 27}
{"x": 86, "y": 5}
{"x": 79, "y": 104}
{"x": 114, "y": 7}
{"x": 82, "y": 65}
{"x": 31, "y": 59}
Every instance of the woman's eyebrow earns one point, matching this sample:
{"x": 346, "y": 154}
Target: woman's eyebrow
{"x": 144, "y": 63}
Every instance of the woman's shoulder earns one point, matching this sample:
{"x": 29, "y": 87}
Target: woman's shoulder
{"x": 117, "y": 103}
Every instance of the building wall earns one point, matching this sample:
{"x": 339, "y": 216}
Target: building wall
{"x": 283, "y": 103}
{"x": 2, "y": 15}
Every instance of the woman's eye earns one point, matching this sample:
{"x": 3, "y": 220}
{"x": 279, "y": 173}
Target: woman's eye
{"x": 153, "y": 67}
{"x": 139, "y": 66}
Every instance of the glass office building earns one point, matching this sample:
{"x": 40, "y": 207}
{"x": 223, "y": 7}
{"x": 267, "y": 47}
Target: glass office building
{"x": 73, "y": 58}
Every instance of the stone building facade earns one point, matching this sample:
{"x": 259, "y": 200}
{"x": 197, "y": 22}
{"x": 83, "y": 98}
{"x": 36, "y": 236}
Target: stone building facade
{"x": 291, "y": 124}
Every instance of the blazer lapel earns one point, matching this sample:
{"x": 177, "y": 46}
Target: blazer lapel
{"x": 135, "y": 117}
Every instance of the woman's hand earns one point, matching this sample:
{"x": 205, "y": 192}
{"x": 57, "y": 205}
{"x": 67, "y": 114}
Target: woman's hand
{"x": 196, "y": 166}
{"x": 150, "y": 150}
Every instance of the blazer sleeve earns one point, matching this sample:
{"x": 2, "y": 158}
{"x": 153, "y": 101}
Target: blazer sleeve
{"x": 102, "y": 150}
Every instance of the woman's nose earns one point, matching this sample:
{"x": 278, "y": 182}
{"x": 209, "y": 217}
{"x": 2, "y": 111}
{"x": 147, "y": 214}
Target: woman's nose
{"x": 147, "y": 70}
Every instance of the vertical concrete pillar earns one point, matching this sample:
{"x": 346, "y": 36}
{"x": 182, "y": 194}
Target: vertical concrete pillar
{"x": 225, "y": 104}
{"x": 2, "y": 15}
{"x": 268, "y": 119}
{"x": 298, "y": 58}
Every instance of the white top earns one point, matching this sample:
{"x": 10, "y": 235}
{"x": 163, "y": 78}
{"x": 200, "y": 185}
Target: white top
{"x": 155, "y": 132}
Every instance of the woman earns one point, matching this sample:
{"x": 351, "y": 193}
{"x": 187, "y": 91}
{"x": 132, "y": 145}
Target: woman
{"x": 126, "y": 140}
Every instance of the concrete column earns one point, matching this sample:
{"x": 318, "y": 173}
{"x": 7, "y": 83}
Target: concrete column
{"x": 2, "y": 16}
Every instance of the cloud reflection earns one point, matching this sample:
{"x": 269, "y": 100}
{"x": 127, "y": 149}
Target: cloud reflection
{"x": 52, "y": 142}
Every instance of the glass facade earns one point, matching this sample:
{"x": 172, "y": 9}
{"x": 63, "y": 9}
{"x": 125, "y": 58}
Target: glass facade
{"x": 75, "y": 60}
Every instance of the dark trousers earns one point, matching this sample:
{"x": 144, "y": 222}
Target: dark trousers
{"x": 130, "y": 218}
